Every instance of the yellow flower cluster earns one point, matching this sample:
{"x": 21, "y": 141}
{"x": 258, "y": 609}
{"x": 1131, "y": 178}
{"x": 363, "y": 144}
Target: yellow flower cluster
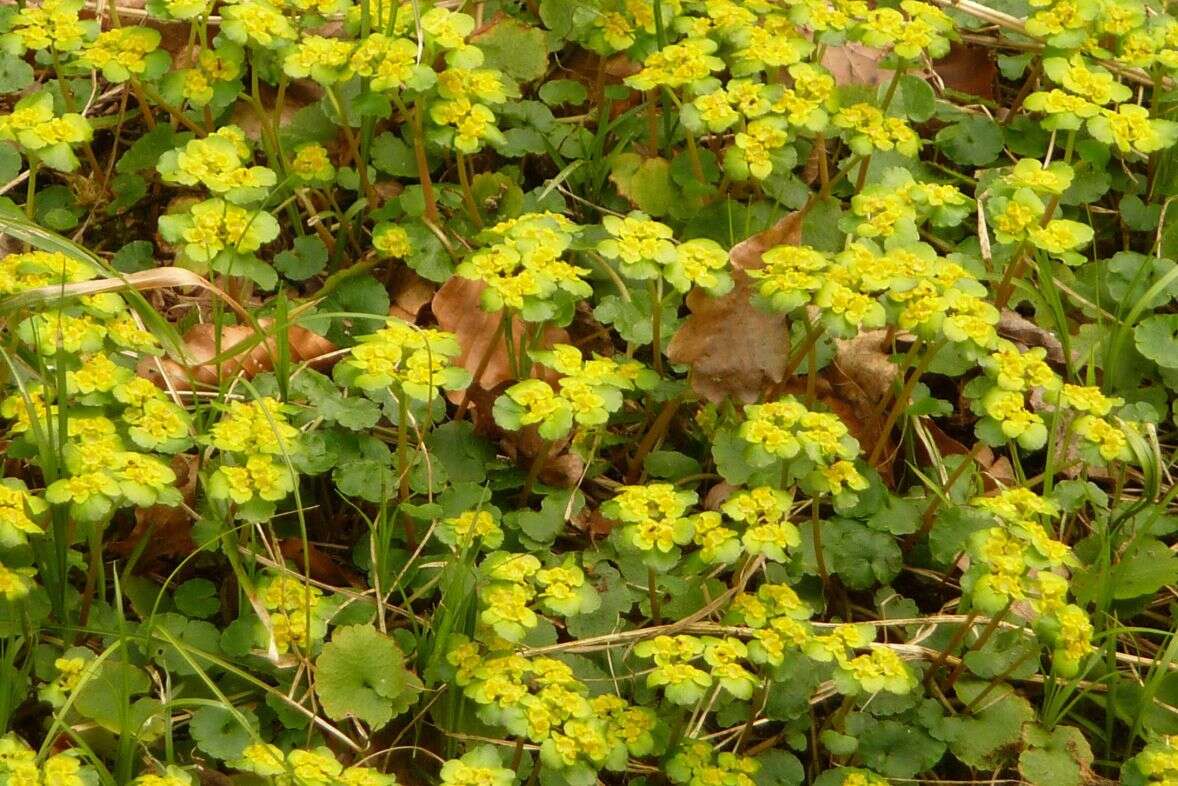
{"x": 312, "y": 767}
{"x": 656, "y": 519}
{"x": 589, "y": 392}
{"x": 44, "y": 134}
{"x": 54, "y": 24}
{"x": 516, "y": 580}
{"x": 414, "y": 362}
{"x": 523, "y": 266}
{"x": 220, "y": 163}
{"x": 18, "y": 765}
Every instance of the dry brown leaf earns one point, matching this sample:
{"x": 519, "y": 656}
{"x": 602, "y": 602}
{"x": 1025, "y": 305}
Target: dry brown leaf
{"x": 862, "y": 376}
{"x": 863, "y": 370}
{"x": 410, "y": 292}
{"x": 969, "y": 69}
{"x": 456, "y": 307}
{"x": 200, "y": 345}
{"x": 733, "y": 348}
{"x": 856, "y": 64}
{"x": 318, "y": 565}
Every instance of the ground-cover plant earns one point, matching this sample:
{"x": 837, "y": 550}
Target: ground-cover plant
{"x": 488, "y": 392}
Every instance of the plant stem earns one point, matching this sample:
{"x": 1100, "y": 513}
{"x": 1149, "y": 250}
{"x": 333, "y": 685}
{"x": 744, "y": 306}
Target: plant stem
{"x": 31, "y": 191}
{"x": 144, "y": 104}
{"x": 656, "y": 432}
{"x": 901, "y": 402}
{"x": 987, "y": 632}
{"x": 468, "y": 194}
{"x": 535, "y": 470}
{"x": 954, "y": 641}
{"x": 353, "y": 149}
{"x": 816, "y": 534}
{"x": 656, "y": 323}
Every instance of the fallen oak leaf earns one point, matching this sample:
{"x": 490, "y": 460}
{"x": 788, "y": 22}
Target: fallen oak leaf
{"x": 733, "y": 348}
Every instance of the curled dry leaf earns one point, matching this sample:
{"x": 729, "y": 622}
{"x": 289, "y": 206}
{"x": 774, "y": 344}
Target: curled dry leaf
{"x": 456, "y": 307}
{"x": 733, "y": 348}
{"x": 239, "y": 355}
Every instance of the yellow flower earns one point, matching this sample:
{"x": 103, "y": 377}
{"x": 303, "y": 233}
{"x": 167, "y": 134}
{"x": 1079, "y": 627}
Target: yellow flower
{"x": 392, "y": 241}
{"x": 1131, "y": 129}
{"x": 121, "y": 52}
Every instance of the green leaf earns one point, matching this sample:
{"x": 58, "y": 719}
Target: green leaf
{"x": 367, "y": 479}
{"x": 563, "y": 91}
{"x": 985, "y": 739}
{"x": 197, "y": 598}
{"x": 1143, "y": 570}
{"x": 861, "y": 556}
{"x": 820, "y": 226}
{"x": 219, "y": 733}
{"x": 306, "y": 259}
{"x": 391, "y": 155}
{"x": 1008, "y": 649}
{"x": 894, "y": 748}
{"x": 1057, "y": 758}
{"x": 670, "y": 464}
{"x": 917, "y": 98}
{"x": 357, "y": 414}
{"x": 632, "y": 318}
{"x": 516, "y": 49}
{"x": 104, "y": 696}
{"x": 972, "y": 141}
{"x": 779, "y": 768}
{"x": 645, "y": 182}
{"x": 133, "y": 257}
{"x": 145, "y": 151}
{"x": 429, "y": 258}
{"x": 897, "y": 516}
{"x": 544, "y": 525}
{"x": 1156, "y": 337}
{"x": 232, "y": 263}
{"x": 615, "y": 601}
{"x": 10, "y": 162}
{"x": 952, "y": 528}
{"x": 1131, "y": 275}
{"x": 361, "y": 674}
{"x": 128, "y": 189}
{"x": 464, "y": 455}
{"x": 1139, "y": 216}
{"x": 15, "y": 73}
